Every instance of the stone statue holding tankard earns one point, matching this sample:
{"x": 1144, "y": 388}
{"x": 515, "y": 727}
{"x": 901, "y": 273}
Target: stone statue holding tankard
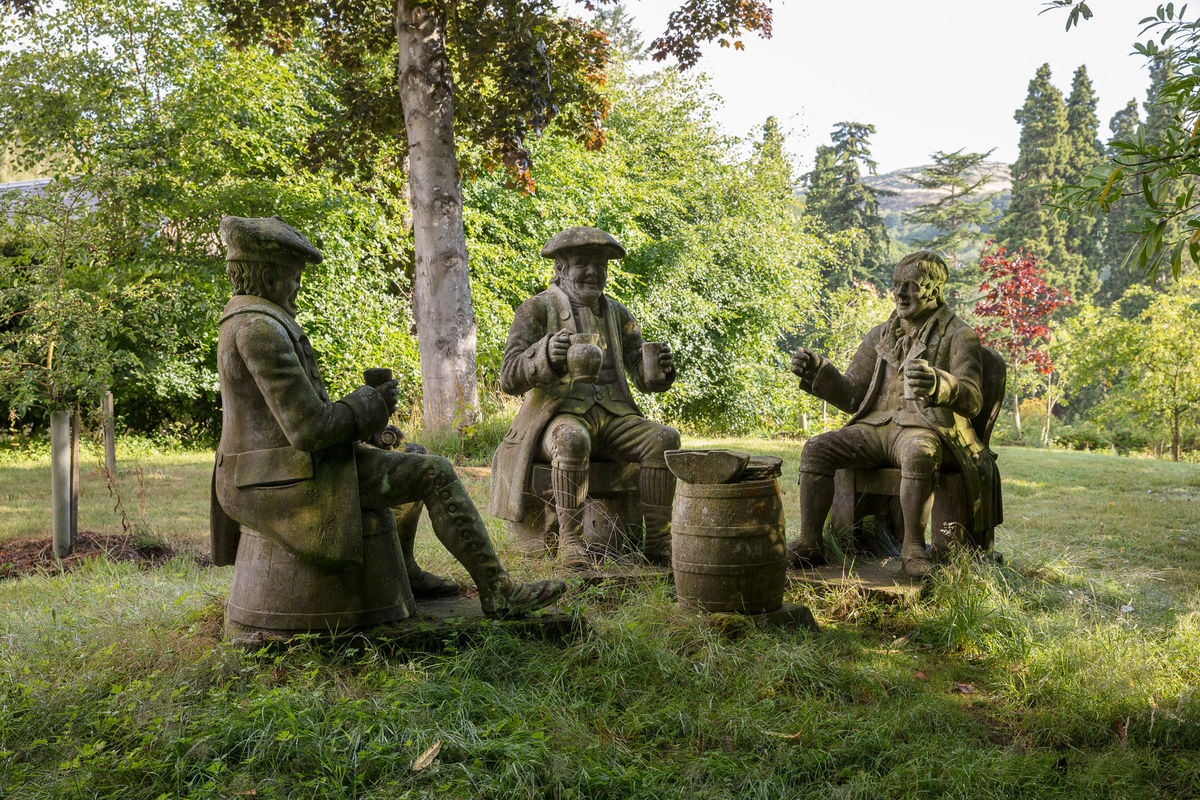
{"x": 571, "y": 352}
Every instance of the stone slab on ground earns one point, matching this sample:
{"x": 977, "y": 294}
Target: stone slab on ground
{"x": 882, "y": 580}
{"x": 621, "y": 575}
{"x": 438, "y": 624}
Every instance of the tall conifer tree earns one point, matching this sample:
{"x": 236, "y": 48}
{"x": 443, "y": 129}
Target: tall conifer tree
{"x": 1119, "y": 272}
{"x": 1084, "y": 233}
{"x": 1031, "y": 224}
{"x": 960, "y": 215}
{"x": 835, "y": 193}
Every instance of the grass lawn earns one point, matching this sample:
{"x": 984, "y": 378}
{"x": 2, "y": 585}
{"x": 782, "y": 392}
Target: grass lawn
{"x": 1070, "y": 671}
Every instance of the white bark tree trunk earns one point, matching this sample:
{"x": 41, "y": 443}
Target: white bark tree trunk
{"x": 446, "y": 331}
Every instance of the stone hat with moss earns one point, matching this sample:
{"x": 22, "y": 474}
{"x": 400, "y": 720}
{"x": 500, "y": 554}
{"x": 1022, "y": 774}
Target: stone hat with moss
{"x": 572, "y": 238}
{"x": 266, "y": 240}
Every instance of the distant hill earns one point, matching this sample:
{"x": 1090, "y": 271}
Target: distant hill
{"x": 908, "y": 194}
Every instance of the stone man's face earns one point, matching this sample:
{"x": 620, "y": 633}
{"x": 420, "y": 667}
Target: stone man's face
{"x": 283, "y": 288}
{"x": 915, "y": 293}
{"x": 583, "y": 273}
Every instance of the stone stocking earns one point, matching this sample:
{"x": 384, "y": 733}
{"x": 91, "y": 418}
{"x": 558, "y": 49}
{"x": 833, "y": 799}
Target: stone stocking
{"x": 916, "y": 504}
{"x": 459, "y": 527}
{"x": 569, "y": 485}
{"x": 816, "y": 498}
{"x": 657, "y": 487}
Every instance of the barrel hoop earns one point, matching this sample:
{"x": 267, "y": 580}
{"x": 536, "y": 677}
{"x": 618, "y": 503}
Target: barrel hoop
{"x": 740, "y": 490}
{"x": 693, "y": 568}
{"x": 729, "y": 532}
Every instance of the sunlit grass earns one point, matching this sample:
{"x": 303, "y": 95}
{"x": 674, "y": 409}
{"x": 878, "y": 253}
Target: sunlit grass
{"x": 1068, "y": 671}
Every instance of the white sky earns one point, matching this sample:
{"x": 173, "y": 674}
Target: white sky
{"x": 929, "y": 74}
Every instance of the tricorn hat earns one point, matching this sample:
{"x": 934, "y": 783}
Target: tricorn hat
{"x": 268, "y": 239}
{"x": 583, "y": 237}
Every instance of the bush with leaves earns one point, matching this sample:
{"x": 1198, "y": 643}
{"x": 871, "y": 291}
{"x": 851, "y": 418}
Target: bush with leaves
{"x": 720, "y": 266}
{"x": 154, "y": 127}
{"x": 1147, "y": 369}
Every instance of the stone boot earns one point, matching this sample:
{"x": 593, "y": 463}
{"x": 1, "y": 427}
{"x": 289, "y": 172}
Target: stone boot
{"x": 916, "y": 561}
{"x": 657, "y": 487}
{"x": 569, "y": 486}
{"x": 459, "y": 527}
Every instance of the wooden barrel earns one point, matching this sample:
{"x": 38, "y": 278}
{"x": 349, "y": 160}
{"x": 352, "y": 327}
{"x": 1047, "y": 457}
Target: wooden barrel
{"x": 274, "y": 590}
{"x": 727, "y": 546}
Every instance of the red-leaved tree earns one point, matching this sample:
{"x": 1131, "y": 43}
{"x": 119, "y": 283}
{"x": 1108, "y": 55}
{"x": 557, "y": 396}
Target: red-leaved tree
{"x": 1018, "y": 303}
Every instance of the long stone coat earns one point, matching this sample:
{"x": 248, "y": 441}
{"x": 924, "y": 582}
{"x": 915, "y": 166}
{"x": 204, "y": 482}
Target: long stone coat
{"x": 525, "y": 369}
{"x": 953, "y": 349}
{"x": 285, "y": 466}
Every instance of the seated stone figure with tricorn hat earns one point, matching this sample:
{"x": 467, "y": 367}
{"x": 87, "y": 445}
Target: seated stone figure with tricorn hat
{"x": 292, "y": 464}
{"x": 568, "y": 352}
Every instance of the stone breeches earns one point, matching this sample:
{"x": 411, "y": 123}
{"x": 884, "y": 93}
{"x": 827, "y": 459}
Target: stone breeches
{"x": 916, "y": 451}
{"x": 388, "y": 478}
{"x": 569, "y": 440}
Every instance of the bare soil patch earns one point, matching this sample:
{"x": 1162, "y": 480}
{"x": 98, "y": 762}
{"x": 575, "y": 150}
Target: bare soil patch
{"x": 36, "y": 556}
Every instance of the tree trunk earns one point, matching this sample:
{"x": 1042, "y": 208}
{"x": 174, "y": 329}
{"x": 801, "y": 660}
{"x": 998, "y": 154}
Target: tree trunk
{"x": 1049, "y": 408}
{"x": 1017, "y": 405}
{"x": 1175, "y": 434}
{"x": 446, "y": 331}
{"x": 1017, "y": 415}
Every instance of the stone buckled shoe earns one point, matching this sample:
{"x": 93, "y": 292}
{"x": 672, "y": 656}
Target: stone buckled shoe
{"x": 427, "y": 586}
{"x": 512, "y": 599}
{"x": 803, "y": 557}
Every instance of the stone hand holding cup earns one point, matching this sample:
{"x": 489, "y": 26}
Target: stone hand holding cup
{"x": 559, "y": 344}
{"x": 658, "y": 362}
{"x": 380, "y": 379}
{"x": 920, "y": 380}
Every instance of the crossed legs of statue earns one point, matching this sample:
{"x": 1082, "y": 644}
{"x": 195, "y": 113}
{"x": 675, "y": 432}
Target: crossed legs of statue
{"x": 387, "y": 479}
{"x": 568, "y": 443}
{"x": 916, "y": 451}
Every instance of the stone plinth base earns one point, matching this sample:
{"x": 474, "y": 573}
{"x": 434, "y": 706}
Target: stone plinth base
{"x": 882, "y": 580}
{"x": 436, "y": 625}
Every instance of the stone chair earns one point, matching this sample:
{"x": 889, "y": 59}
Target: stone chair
{"x": 861, "y": 493}
{"x": 612, "y": 516}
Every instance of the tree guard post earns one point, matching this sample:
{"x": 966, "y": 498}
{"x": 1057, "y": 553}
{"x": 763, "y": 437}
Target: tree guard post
{"x": 76, "y": 430}
{"x": 109, "y": 426}
{"x": 60, "y": 480}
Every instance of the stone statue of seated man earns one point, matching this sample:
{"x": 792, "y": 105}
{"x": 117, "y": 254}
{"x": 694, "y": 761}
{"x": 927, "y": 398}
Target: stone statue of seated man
{"x": 912, "y": 387}
{"x": 577, "y": 402}
{"x": 293, "y": 465}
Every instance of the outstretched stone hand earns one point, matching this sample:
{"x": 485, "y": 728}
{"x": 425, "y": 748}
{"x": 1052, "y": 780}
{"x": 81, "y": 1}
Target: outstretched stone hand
{"x": 805, "y": 363}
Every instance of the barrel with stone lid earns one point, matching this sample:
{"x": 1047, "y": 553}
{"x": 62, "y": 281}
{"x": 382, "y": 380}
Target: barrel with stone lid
{"x": 728, "y": 546}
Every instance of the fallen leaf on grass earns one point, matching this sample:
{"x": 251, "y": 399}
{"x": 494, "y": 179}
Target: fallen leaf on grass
{"x": 900, "y": 641}
{"x": 781, "y": 735}
{"x": 965, "y": 688}
{"x": 251, "y": 793}
{"x": 921, "y": 676}
{"x": 426, "y": 758}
